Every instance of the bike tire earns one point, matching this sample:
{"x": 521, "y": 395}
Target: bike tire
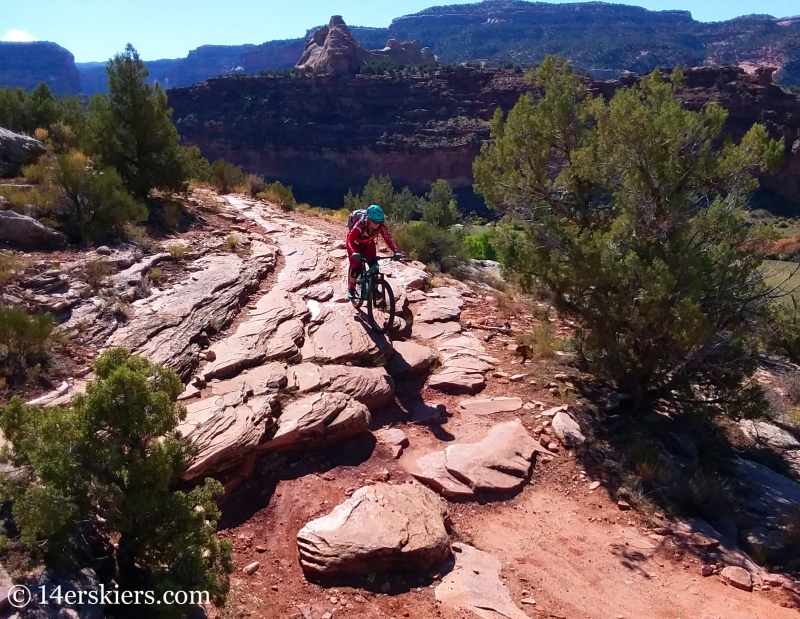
{"x": 380, "y": 289}
{"x": 358, "y": 301}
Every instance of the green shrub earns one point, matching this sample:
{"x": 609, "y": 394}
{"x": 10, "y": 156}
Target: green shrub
{"x": 255, "y": 185}
{"x": 227, "y": 176}
{"x": 480, "y": 247}
{"x": 23, "y": 338}
{"x": 106, "y": 466}
{"x": 439, "y": 207}
{"x": 631, "y": 215}
{"x": 279, "y": 194}
{"x": 430, "y": 244}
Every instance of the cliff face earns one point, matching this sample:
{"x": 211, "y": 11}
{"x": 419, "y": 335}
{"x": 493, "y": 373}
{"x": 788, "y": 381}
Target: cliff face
{"x": 327, "y": 134}
{"x": 25, "y": 65}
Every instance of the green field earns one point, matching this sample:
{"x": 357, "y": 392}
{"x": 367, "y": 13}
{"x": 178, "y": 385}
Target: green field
{"x": 783, "y": 274}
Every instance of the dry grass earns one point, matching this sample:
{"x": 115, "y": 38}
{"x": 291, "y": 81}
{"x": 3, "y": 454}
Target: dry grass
{"x": 177, "y": 251}
{"x": 94, "y": 271}
{"x": 232, "y": 242}
{"x": 155, "y": 273}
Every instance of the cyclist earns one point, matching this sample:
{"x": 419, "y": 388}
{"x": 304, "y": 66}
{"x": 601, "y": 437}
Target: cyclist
{"x": 361, "y": 243}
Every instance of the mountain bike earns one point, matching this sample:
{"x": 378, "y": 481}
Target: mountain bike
{"x": 372, "y": 287}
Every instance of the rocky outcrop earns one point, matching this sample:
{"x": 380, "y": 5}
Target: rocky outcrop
{"x": 410, "y": 358}
{"x": 333, "y": 50}
{"x": 25, "y": 65}
{"x": 379, "y": 528}
{"x": 26, "y": 231}
{"x": 16, "y": 151}
{"x": 166, "y": 327}
{"x": 317, "y": 420}
{"x": 328, "y": 134}
{"x": 373, "y": 387}
{"x": 501, "y": 462}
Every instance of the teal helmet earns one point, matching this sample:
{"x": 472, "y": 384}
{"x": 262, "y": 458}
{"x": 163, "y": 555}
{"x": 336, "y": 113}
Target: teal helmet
{"x": 375, "y": 213}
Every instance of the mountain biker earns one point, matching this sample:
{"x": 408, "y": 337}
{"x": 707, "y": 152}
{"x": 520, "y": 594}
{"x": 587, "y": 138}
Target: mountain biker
{"x": 361, "y": 243}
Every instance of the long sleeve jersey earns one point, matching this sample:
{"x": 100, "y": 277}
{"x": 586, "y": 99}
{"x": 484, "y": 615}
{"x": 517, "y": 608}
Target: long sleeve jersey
{"x": 358, "y": 237}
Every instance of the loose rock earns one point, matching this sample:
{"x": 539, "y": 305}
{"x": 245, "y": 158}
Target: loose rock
{"x": 738, "y": 577}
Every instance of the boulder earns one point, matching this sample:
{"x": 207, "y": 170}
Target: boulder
{"x": 410, "y": 358}
{"x": 379, "y": 528}
{"x": 431, "y": 330}
{"x": 567, "y": 429}
{"x": 738, "y": 577}
{"x": 443, "y": 309}
{"x": 763, "y": 433}
{"x": 79, "y": 589}
{"x": 319, "y": 419}
{"x": 16, "y": 151}
{"x": 24, "y": 230}
{"x": 474, "y": 585}
{"x": 337, "y": 335}
{"x": 500, "y": 462}
{"x": 395, "y": 438}
{"x": 373, "y": 387}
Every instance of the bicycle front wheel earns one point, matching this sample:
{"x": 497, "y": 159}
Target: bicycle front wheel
{"x": 381, "y": 305}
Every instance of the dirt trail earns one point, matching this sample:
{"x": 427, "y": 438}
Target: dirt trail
{"x": 550, "y": 550}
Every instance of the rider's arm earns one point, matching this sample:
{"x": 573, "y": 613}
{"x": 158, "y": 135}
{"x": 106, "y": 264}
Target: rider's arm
{"x": 388, "y": 238}
{"x": 352, "y": 236}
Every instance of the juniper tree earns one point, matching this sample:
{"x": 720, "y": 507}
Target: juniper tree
{"x": 629, "y": 214}
{"x": 109, "y": 464}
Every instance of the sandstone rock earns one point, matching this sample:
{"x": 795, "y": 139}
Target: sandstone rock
{"x": 474, "y": 585}
{"x": 410, "y": 358}
{"x": 319, "y": 419}
{"x": 373, "y": 387}
{"x": 456, "y": 383}
{"x": 445, "y": 309}
{"x": 467, "y": 363}
{"x": 567, "y": 429}
{"x": 395, "y": 438}
{"x": 248, "y": 346}
{"x": 764, "y": 433}
{"x": 260, "y": 380}
{"x": 24, "y": 230}
{"x": 379, "y": 528}
{"x": 335, "y": 335}
{"x": 16, "y": 151}
{"x": 226, "y": 431}
{"x": 164, "y": 327}
{"x": 252, "y": 568}
{"x": 738, "y": 577}
{"x": 500, "y": 462}
{"x": 491, "y": 405}
{"x": 431, "y": 330}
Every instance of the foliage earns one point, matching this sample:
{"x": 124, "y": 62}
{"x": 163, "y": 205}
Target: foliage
{"x": 130, "y": 129}
{"x": 195, "y": 165}
{"x": 439, "y": 207}
{"x": 108, "y": 465}
{"x": 255, "y": 185}
{"x": 177, "y": 251}
{"x": 94, "y": 271}
{"x": 90, "y": 201}
{"x": 23, "y": 340}
{"x": 23, "y": 112}
{"x": 10, "y": 265}
{"x": 226, "y": 176}
{"x": 480, "y": 247}
{"x": 232, "y": 242}
{"x": 442, "y": 248}
{"x": 640, "y": 237}
{"x": 281, "y": 195}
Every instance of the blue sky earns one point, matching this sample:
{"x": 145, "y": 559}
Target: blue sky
{"x": 93, "y": 30}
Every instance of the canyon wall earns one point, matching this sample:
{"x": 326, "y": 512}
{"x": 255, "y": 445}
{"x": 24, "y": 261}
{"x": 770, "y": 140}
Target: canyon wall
{"x": 25, "y": 65}
{"x": 328, "y": 134}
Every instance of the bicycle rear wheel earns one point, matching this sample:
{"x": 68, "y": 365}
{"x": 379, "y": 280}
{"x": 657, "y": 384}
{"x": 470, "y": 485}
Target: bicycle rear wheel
{"x": 381, "y": 305}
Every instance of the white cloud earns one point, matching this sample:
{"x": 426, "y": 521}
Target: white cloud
{"x": 17, "y": 36}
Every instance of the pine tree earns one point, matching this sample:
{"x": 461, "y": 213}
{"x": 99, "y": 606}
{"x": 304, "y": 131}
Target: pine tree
{"x": 631, "y": 216}
{"x": 130, "y": 129}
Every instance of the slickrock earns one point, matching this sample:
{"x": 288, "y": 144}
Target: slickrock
{"x": 763, "y": 433}
{"x": 307, "y": 263}
{"x": 457, "y": 383}
{"x": 395, "y": 438}
{"x": 412, "y": 275}
{"x": 431, "y": 330}
{"x": 373, "y": 387}
{"x": 260, "y": 380}
{"x": 441, "y": 309}
{"x": 336, "y": 335}
{"x": 501, "y": 462}
{"x": 474, "y": 585}
{"x": 319, "y": 419}
{"x": 464, "y": 362}
{"x": 260, "y": 334}
{"x": 379, "y": 528}
{"x": 410, "y": 358}
{"x": 226, "y": 429}
{"x": 491, "y": 405}
{"x": 165, "y": 326}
